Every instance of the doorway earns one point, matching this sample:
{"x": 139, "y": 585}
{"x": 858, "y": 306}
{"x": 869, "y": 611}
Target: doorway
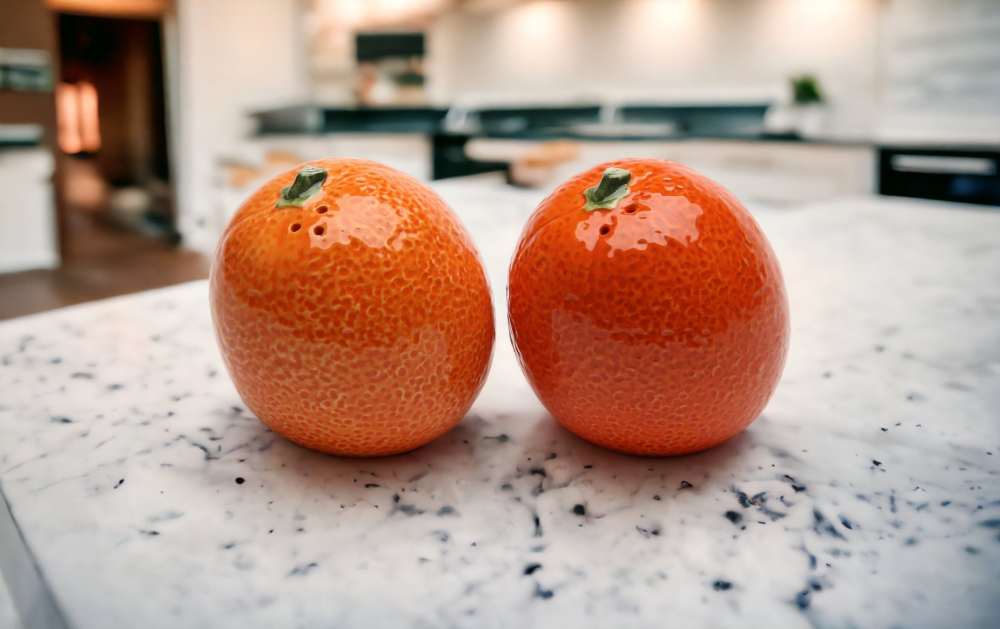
{"x": 115, "y": 207}
{"x": 111, "y": 119}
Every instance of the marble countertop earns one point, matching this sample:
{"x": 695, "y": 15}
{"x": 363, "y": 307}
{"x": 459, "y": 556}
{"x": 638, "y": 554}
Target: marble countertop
{"x": 866, "y": 495}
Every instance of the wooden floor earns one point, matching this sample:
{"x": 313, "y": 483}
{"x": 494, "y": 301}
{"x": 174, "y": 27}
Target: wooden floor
{"x": 101, "y": 261}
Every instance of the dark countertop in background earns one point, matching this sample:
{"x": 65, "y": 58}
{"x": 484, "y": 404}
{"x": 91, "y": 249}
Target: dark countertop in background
{"x": 20, "y": 135}
{"x": 575, "y": 122}
{"x": 963, "y": 173}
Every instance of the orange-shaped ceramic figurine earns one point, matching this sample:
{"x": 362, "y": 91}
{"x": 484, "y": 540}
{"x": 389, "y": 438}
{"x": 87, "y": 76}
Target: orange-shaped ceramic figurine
{"x": 647, "y": 309}
{"x": 352, "y": 309}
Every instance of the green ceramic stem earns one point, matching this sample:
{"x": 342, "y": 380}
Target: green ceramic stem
{"x": 612, "y": 189}
{"x": 308, "y": 182}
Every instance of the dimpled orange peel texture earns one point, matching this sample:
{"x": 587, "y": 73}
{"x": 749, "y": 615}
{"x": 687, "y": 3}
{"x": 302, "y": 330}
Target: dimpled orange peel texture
{"x": 647, "y": 309}
{"x": 352, "y": 309}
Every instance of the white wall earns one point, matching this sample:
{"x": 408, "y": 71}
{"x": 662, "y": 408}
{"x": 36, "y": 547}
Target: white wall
{"x": 942, "y": 71}
{"x": 899, "y": 70}
{"x": 685, "y": 50}
{"x": 27, "y": 210}
{"x": 226, "y": 58}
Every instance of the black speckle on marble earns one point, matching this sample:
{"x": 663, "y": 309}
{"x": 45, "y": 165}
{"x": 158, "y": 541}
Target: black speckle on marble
{"x": 945, "y": 503}
{"x": 407, "y": 509}
{"x": 540, "y": 593}
{"x": 370, "y": 485}
{"x": 846, "y": 522}
{"x": 62, "y": 420}
{"x": 880, "y": 348}
{"x": 506, "y": 487}
{"x": 552, "y": 455}
{"x": 913, "y": 541}
{"x": 656, "y": 497}
{"x": 720, "y": 586}
{"x": 885, "y": 430}
{"x": 442, "y": 536}
{"x": 587, "y": 467}
{"x": 530, "y": 568}
{"x": 802, "y": 599}
{"x": 798, "y": 488}
{"x": 395, "y": 497}
{"x": 83, "y": 375}
{"x": 822, "y": 525}
{"x": 537, "y": 549}
{"x": 744, "y": 500}
{"x": 876, "y": 462}
{"x": 208, "y": 455}
{"x": 579, "y": 510}
{"x": 115, "y": 387}
{"x": 422, "y": 559}
{"x": 774, "y": 515}
{"x": 240, "y": 480}
{"x": 118, "y": 484}
{"x": 892, "y": 503}
{"x": 686, "y": 485}
{"x": 812, "y": 561}
{"x": 733, "y": 517}
{"x": 302, "y": 570}
{"x": 538, "y": 527}
{"x": 169, "y": 515}
{"x": 446, "y": 510}
{"x": 990, "y": 524}
{"x": 150, "y": 533}
{"x": 972, "y": 550}
{"x": 229, "y": 545}
{"x": 537, "y": 470}
{"x": 499, "y": 438}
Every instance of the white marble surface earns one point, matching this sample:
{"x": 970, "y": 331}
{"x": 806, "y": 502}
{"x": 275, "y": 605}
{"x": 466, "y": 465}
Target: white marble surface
{"x": 867, "y": 494}
{"x": 8, "y": 614}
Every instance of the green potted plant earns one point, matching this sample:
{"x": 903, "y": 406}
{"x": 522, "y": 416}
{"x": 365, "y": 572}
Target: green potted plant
{"x": 804, "y": 115}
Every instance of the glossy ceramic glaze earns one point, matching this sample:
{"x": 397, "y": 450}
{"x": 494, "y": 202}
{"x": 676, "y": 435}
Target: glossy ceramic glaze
{"x": 658, "y": 327}
{"x": 360, "y": 323}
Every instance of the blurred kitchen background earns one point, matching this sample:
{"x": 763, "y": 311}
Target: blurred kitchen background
{"x": 130, "y": 130}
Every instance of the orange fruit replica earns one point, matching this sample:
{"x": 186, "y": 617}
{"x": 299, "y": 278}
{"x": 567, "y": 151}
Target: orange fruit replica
{"x": 352, "y": 309}
{"x": 647, "y": 309}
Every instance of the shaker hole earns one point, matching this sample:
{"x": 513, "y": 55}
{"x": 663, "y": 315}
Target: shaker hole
{"x": 322, "y": 209}
{"x": 319, "y": 230}
{"x": 295, "y": 227}
{"x": 605, "y": 230}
